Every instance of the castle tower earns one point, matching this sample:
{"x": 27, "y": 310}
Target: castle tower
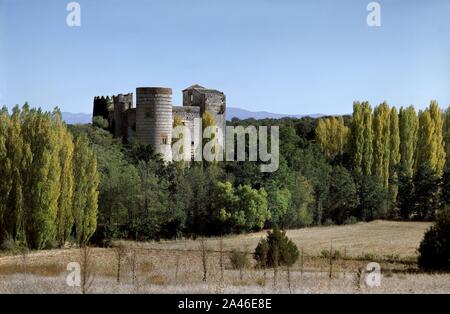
{"x": 101, "y": 107}
{"x": 154, "y": 119}
{"x": 121, "y": 104}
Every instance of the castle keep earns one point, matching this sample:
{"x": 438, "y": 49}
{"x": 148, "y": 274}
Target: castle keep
{"x": 151, "y": 122}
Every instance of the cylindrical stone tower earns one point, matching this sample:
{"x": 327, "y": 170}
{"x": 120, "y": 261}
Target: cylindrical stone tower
{"x": 154, "y": 119}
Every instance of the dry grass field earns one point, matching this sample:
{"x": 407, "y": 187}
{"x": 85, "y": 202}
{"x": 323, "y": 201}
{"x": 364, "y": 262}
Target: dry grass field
{"x": 177, "y": 266}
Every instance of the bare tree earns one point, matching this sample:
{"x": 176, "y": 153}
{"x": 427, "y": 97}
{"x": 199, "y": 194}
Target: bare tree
{"x": 132, "y": 260}
{"x": 120, "y": 251}
{"x": 330, "y": 274}
{"x": 357, "y": 278}
{"x": 204, "y": 251}
{"x": 87, "y": 269}
{"x": 221, "y": 259}
{"x": 177, "y": 267}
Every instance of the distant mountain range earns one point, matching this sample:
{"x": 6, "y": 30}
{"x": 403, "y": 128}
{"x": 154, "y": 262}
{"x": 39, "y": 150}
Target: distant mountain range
{"x": 232, "y": 112}
{"x": 245, "y": 114}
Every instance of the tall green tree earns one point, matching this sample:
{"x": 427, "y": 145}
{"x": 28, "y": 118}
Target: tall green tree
{"x": 381, "y": 142}
{"x": 65, "y": 218}
{"x": 426, "y": 145}
{"x": 333, "y": 136}
{"x": 438, "y": 121}
{"x": 447, "y": 137}
{"x": 85, "y": 190}
{"x": 5, "y": 170}
{"x": 408, "y": 125}
{"x": 41, "y": 179}
{"x": 394, "y": 143}
{"x": 15, "y": 203}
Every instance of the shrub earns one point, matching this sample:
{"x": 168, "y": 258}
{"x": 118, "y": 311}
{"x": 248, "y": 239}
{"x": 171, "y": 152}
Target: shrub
{"x": 434, "y": 250}
{"x": 239, "y": 260}
{"x": 335, "y": 255}
{"x": 286, "y": 252}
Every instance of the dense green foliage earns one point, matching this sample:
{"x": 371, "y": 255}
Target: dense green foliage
{"x": 48, "y": 187}
{"x": 276, "y": 250}
{"x": 374, "y": 164}
{"x": 434, "y": 250}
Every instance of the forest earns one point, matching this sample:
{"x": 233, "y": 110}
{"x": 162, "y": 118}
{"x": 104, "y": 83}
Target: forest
{"x": 77, "y": 183}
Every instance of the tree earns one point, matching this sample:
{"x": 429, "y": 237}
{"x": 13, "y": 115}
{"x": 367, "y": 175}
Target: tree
{"x": 279, "y": 203}
{"x": 15, "y": 155}
{"x": 281, "y": 250}
{"x": 406, "y": 198}
{"x": 41, "y": 179}
{"x": 408, "y": 125}
{"x": 430, "y": 151}
{"x": 244, "y": 208}
{"x": 381, "y": 142}
{"x": 64, "y": 218}
{"x": 434, "y": 250}
{"x": 373, "y": 198}
{"x": 314, "y": 167}
{"x": 85, "y": 197}
{"x": 436, "y": 117}
{"x": 426, "y": 193}
{"x": 332, "y": 136}
{"x": 5, "y": 170}
{"x": 446, "y": 137}
{"x": 362, "y": 137}
{"x": 343, "y": 195}
{"x": 394, "y": 143}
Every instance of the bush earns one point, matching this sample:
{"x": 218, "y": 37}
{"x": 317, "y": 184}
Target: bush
{"x": 239, "y": 260}
{"x": 100, "y": 122}
{"x": 280, "y": 250}
{"x": 434, "y": 250}
{"x": 335, "y": 255}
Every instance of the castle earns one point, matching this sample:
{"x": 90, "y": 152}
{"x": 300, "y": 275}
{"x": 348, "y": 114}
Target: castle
{"x": 151, "y": 122}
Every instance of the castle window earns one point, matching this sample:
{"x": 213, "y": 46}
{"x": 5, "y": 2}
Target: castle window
{"x": 191, "y": 98}
{"x": 148, "y": 114}
{"x": 164, "y": 139}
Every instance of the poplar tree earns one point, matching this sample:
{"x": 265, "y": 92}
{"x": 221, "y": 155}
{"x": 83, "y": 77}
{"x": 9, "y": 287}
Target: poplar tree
{"x": 42, "y": 180}
{"x": 408, "y": 125}
{"x": 64, "y": 215}
{"x": 447, "y": 138}
{"x": 332, "y": 136}
{"x": 426, "y": 145}
{"x": 5, "y": 168}
{"x": 357, "y": 135}
{"x": 430, "y": 151}
{"x": 367, "y": 157}
{"x": 439, "y": 154}
{"x": 381, "y": 142}
{"x": 394, "y": 161}
{"x": 15, "y": 202}
{"x": 84, "y": 208}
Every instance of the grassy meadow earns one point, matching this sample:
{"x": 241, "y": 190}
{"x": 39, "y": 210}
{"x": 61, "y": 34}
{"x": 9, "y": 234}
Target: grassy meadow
{"x": 178, "y": 266}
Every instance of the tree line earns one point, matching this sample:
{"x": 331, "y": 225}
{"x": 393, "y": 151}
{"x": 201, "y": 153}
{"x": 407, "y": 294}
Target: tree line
{"x": 403, "y": 155}
{"x": 49, "y": 180}
{"x": 70, "y": 182}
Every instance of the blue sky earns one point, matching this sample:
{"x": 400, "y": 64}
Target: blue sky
{"x": 283, "y": 56}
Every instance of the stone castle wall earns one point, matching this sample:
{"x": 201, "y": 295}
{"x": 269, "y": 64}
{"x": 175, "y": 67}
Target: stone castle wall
{"x": 151, "y": 122}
